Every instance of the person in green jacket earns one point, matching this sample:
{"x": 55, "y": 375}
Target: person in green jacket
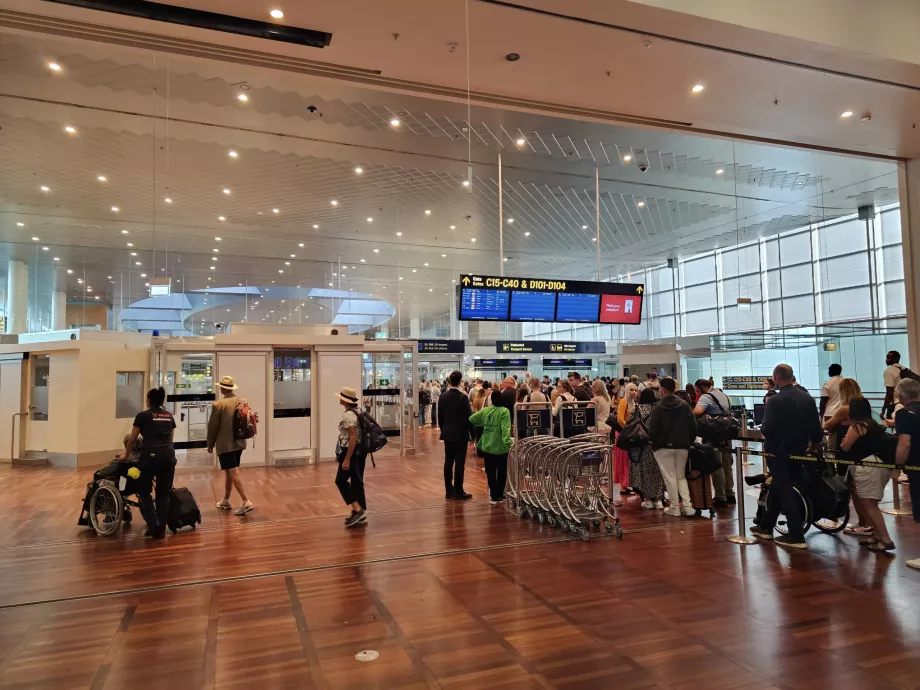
{"x": 495, "y": 443}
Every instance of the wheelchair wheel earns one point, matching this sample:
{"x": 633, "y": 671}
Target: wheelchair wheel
{"x": 106, "y": 510}
{"x": 833, "y": 526}
{"x": 781, "y": 524}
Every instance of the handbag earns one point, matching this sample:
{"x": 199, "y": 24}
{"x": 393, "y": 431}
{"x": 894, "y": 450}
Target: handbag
{"x": 633, "y": 435}
{"x": 704, "y": 459}
{"x": 718, "y": 429}
{"x": 613, "y": 422}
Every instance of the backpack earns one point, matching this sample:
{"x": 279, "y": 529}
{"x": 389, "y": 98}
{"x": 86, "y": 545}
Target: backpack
{"x": 372, "y": 436}
{"x": 908, "y": 374}
{"x": 718, "y": 429}
{"x": 245, "y": 421}
{"x": 634, "y": 434}
{"x": 424, "y": 397}
{"x": 702, "y": 458}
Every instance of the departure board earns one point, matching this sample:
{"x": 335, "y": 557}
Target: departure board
{"x": 577, "y": 308}
{"x": 502, "y": 298}
{"x": 533, "y": 306}
{"x": 484, "y": 305}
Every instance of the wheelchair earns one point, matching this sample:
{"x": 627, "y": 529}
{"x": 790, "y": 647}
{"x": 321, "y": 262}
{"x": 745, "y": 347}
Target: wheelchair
{"x": 825, "y": 502}
{"x": 107, "y": 502}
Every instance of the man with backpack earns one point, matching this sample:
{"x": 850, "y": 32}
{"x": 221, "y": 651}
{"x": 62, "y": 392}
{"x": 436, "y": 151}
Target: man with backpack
{"x": 230, "y": 425}
{"x": 351, "y": 454}
{"x": 712, "y": 402}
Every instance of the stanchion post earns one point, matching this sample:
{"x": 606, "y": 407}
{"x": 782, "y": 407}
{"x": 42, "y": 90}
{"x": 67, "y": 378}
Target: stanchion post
{"x": 896, "y": 501}
{"x": 740, "y": 538}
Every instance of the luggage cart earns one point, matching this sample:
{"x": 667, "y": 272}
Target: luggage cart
{"x": 563, "y": 482}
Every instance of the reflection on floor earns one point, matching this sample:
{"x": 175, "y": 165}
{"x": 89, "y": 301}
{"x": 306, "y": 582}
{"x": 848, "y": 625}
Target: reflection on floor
{"x": 449, "y": 594}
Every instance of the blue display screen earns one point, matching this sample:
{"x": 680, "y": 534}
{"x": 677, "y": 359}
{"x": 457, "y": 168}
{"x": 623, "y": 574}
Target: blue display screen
{"x": 533, "y": 306}
{"x": 578, "y": 308}
{"x": 484, "y": 305}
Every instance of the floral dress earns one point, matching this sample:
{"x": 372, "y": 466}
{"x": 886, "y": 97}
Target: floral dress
{"x": 644, "y": 473}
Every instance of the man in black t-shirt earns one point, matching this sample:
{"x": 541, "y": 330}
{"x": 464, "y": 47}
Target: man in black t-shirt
{"x": 907, "y": 424}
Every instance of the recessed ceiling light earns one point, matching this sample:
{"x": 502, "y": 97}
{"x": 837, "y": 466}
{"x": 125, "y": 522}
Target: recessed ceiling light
{"x": 594, "y": 239}
{"x": 511, "y": 220}
{"x": 359, "y": 170}
{"x": 527, "y": 234}
{"x": 45, "y": 249}
{"x": 370, "y": 220}
{"x": 430, "y": 289}
{"x": 415, "y": 270}
{"x": 315, "y": 227}
{"x": 168, "y": 200}
{"x": 133, "y": 253}
{"x": 217, "y": 239}
{"x": 70, "y": 271}
{"x": 334, "y": 202}
{"x": 102, "y": 178}
{"x": 399, "y": 234}
{"x": 96, "y": 297}
{"x": 521, "y": 141}
{"x": 130, "y": 244}
{"x": 226, "y": 191}
{"x": 453, "y": 227}
{"x": 137, "y": 263}
{"x": 640, "y": 204}
{"x": 143, "y": 275}
{"x": 232, "y": 154}
{"x": 362, "y": 261}
{"x": 213, "y": 268}
{"x": 280, "y": 270}
{"x": 293, "y": 256}
{"x": 277, "y": 14}
{"x": 627, "y": 158}
{"x": 584, "y": 227}
{"x": 80, "y": 281}
{"x": 243, "y": 97}
{"x": 56, "y": 259}
{"x": 54, "y": 67}
{"x": 394, "y": 122}
{"x": 124, "y": 232}
{"x": 20, "y": 225}
{"x": 846, "y": 113}
{"x": 376, "y": 251}
{"x": 221, "y": 218}
{"x": 466, "y": 183}
{"x": 719, "y": 171}
{"x": 287, "y": 263}
{"x": 472, "y": 239}
{"x": 427, "y": 211}
{"x": 330, "y": 284}
{"x": 443, "y": 256}
{"x": 213, "y": 258}
{"x": 70, "y": 130}
{"x": 505, "y": 259}
{"x": 300, "y": 245}
{"x": 45, "y": 189}
{"x": 276, "y": 211}
{"x": 698, "y": 88}
{"x": 400, "y": 277}
{"x": 110, "y": 278}
{"x": 115, "y": 209}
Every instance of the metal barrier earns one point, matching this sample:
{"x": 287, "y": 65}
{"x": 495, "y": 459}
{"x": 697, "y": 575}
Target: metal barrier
{"x": 745, "y": 540}
{"x": 561, "y": 481}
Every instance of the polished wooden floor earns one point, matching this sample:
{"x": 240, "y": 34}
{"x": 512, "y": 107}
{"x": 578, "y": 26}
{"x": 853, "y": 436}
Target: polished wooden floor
{"x": 448, "y": 594}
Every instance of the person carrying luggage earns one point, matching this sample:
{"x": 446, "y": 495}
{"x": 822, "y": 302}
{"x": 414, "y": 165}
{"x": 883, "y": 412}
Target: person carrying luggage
{"x": 222, "y": 437}
{"x": 156, "y": 461}
{"x": 495, "y": 443}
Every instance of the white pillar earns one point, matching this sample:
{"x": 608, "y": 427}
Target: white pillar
{"x": 59, "y": 311}
{"x": 909, "y": 191}
{"x": 17, "y": 297}
{"x": 414, "y": 328}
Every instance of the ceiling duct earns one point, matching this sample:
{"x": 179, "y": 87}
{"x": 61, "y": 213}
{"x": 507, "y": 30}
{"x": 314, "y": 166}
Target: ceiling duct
{"x": 200, "y": 19}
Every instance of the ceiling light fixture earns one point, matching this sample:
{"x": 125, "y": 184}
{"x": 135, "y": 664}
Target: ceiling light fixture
{"x": 168, "y": 200}
{"x": 334, "y": 202}
{"x": 300, "y": 245}
{"x": 394, "y": 122}
{"x": 143, "y": 275}
{"x": 376, "y": 251}
{"x": 472, "y": 239}
{"x": 56, "y": 259}
{"x": 399, "y": 234}
{"x": 70, "y": 271}
{"x": 584, "y": 227}
{"x": 527, "y": 234}
{"x": 45, "y": 249}
{"x": 427, "y": 211}
{"x": 243, "y": 97}
{"x": 510, "y": 221}
{"x": 359, "y": 170}
{"x": 719, "y": 171}
{"x": 698, "y": 88}
{"x": 137, "y": 263}
{"x": 466, "y": 183}
{"x": 115, "y": 209}
{"x": 217, "y": 239}
{"x": 70, "y": 130}
{"x": 293, "y": 256}
{"x": 362, "y": 261}
{"x": 443, "y": 256}
{"x": 227, "y": 191}
{"x": 45, "y": 189}
{"x": 54, "y": 67}
{"x": 370, "y": 220}
{"x": 124, "y": 232}
{"x": 20, "y": 225}
{"x": 453, "y": 227}
{"x": 640, "y": 204}
{"x": 233, "y": 154}
{"x": 846, "y": 113}
{"x": 315, "y": 227}
{"x": 213, "y": 268}
{"x": 133, "y": 253}
{"x": 277, "y": 14}
{"x": 216, "y": 250}
{"x": 221, "y": 218}
{"x": 102, "y": 178}
{"x": 521, "y": 142}
{"x": 276, "y": 211}
{"x": 130, "y": 244}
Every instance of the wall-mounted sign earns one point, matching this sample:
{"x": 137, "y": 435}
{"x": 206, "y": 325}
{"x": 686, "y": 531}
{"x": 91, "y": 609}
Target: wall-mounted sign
{"x": 499, "y": 363}
{"x": 549, "y": 347}
{"x": 743, "y": 383}
{"x": 445, "y": 346}
{"x": 567, "y": 363}
{"x": 498, "y": 298}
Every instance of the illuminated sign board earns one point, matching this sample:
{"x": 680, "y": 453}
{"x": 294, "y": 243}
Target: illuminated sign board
{"x": 549, "y": 347}
{"x": 444, "y": 346}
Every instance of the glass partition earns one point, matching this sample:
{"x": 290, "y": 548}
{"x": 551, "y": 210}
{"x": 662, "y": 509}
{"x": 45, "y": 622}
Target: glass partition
{"x": 292, "y": 383}
{"x": 41, "y": 376}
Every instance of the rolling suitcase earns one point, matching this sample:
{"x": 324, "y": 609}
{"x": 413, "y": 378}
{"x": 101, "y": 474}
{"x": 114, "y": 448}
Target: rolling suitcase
{"x": 700, "y": 486}
{"x": 183, "y": 510}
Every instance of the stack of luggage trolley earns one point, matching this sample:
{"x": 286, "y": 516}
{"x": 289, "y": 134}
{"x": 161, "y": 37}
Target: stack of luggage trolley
{"x": 566, "y": 481}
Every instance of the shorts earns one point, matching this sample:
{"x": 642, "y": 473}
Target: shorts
{"x": 870, "y": 482}
{"x": 230, "y": 460}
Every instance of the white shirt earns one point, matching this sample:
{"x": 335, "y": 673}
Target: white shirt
{"x": 892, "y": 375}
{"x": 831, "y": 391}
{"x": 435, "y": 392}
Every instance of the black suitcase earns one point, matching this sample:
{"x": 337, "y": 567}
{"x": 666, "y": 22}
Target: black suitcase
{"x": 183, "y": 510}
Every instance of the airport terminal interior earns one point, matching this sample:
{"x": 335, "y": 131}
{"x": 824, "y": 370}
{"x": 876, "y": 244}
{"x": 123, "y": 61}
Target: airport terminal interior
{"x": 502, "y": 344}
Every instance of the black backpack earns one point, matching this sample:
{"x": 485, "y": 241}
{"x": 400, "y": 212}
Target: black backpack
{"x": 634, "y": 434}
{"x": 372, "y": 436}
{"x": 718, "y": 429}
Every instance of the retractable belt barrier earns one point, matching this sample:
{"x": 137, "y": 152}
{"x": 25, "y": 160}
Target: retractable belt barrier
{"x": 740, "y": 452}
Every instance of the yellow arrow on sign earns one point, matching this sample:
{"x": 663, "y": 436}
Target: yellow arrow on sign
{"x": 639, "y": 290}
{"x": 466, "y": 280}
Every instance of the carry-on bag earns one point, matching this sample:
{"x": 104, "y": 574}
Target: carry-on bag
{"x": 183, "y": 510}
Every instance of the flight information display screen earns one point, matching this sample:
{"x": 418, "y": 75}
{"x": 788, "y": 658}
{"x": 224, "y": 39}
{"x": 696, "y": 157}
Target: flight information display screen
{"x": 484, "y": 305}
{"x": 533, "y": 306}
{"x": 577, "y": 308}
{"x": 502, "y": 298}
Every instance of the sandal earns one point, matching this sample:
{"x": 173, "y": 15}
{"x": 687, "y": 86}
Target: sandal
{"x": 880, "y": 546}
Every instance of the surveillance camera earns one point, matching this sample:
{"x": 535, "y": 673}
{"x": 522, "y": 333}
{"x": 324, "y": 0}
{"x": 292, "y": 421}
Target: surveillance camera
{"x": 312, "y": 109}
{"x": 643, "y": 167}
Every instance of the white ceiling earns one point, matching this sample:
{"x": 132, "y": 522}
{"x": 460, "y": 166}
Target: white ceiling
{"x": 159, "y": 126}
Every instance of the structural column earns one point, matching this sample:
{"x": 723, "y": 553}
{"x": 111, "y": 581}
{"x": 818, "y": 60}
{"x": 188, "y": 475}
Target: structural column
{"x": 909, "y": 190}
{"x": 59, "y": 311}
{"x": 17, "y": 297}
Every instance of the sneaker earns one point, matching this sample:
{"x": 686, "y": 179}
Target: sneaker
{"x": 648, "y": 505}
{"x": 688, "y": 511}
{"x": 356, "y": 519}
{"x": 351, "y": 515}
{"x": 243, "y": 509}
{"x": 463, "y": 496}
{"x": 859, "y": 530}
{"x": 790, "y": 542}
{"x": 224, "y": 505}
{"x": 761, "y": 533}
{"x": 915, "y": 564}
{"x": 659, "y": 505}
{"x": 672, "y": 511}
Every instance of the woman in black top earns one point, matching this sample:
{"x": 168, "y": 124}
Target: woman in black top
{"x": 157, "y": 460}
